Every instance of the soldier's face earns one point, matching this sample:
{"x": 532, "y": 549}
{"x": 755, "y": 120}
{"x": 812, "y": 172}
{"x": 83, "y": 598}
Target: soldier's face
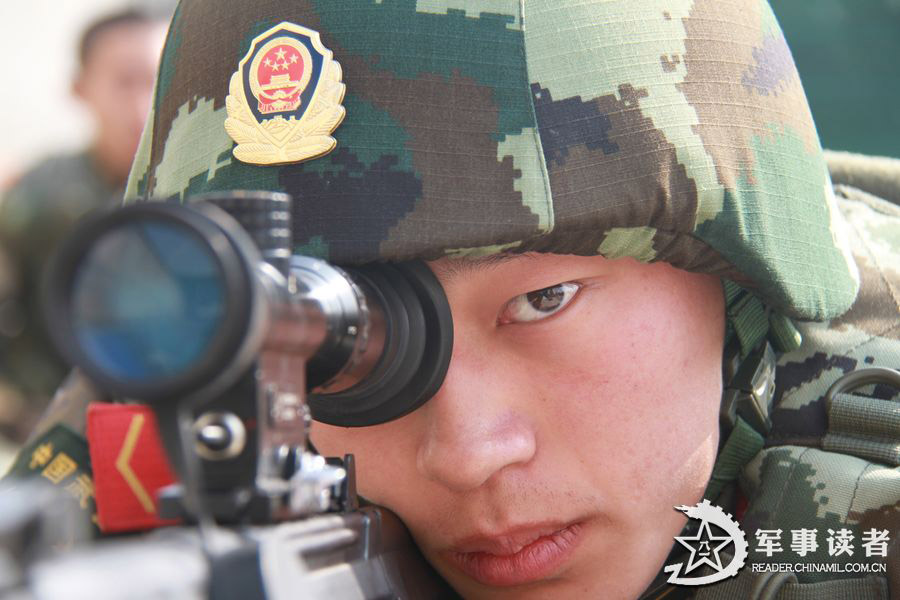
{"x": 569, "y": 425}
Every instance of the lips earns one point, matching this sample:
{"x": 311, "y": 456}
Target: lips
{"x": 517, "y": 556}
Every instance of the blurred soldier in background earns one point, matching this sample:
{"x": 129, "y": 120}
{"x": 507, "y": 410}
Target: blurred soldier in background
{"x": 118, "y": 56}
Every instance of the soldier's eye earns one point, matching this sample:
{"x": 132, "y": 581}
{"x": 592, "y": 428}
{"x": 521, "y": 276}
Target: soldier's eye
{"x": 539, "y": 304}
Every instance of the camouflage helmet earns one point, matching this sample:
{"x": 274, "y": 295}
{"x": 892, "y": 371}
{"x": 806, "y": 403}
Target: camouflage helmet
{"x": 666, "y": 131}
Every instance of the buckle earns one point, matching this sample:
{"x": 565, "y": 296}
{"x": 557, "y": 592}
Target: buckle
{"x": 750, "y": 392}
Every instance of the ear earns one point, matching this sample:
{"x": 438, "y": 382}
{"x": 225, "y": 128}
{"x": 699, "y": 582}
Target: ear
{"x": 78, "y": 89}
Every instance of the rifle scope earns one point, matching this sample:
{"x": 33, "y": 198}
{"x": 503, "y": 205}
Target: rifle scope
{"x": 164, "y": 302}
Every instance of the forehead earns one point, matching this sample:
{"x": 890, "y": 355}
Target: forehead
{"x": 450, "y": 269}
{"x": 134, "y": 35}
{"x": 524, "y": 272}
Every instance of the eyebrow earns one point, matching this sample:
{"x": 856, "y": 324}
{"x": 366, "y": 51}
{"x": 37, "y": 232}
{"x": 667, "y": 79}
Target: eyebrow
{"x": 454, "y": 268}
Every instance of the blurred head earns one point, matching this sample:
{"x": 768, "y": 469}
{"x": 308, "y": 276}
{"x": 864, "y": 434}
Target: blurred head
{"x": 580, "y": 176}
{"x": 118, "y": 58}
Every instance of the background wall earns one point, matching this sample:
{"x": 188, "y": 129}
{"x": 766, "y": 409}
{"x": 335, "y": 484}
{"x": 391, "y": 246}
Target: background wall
{"x": 847, "y": 53}
{"x": 38, "y": 41}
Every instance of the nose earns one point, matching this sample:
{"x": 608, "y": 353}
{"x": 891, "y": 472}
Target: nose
{"x": 475, "y": 427}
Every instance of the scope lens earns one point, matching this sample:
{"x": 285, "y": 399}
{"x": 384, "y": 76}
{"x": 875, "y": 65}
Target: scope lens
{"x": 147, "y": 300}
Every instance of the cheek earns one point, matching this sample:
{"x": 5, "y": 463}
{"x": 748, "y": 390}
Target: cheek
{"x": 384, "y": 455}
{"x": 637, "y": 381}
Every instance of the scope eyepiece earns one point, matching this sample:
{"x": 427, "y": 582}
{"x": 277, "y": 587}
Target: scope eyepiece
{"x": 416, "y": 327}
{"x": 164, "y": 302}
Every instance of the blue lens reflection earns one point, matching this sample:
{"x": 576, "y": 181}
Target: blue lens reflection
{"x": 147, "y": 301}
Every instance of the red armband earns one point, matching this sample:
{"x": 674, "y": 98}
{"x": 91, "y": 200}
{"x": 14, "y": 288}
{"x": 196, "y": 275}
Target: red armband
{"x": 129, "y": 464}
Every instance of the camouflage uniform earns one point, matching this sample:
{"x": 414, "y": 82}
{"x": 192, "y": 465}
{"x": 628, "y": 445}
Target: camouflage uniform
{"x": 665, "y": 131}
{"x": 35, "y": 216}
{"x": 837, "y": 466}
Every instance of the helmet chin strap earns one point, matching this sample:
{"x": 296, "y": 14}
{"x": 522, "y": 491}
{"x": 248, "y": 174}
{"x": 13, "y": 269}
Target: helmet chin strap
{"x": 748, "y": 393}
{"x": 753, "y": 334}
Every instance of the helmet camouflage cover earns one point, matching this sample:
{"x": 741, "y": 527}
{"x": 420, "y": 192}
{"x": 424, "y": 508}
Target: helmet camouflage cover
{"x": 666, "y": 131}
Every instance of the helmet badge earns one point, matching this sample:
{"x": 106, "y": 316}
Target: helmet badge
{"x": 284, "y": 100}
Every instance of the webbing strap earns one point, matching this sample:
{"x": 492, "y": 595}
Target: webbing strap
{"x": 732, "y": 291}
{"x": 865, "y": 427}
{"x": 742, "y": 445}
{"x": 751, "y": 322}
{"x": 783, "y": 333}
{"x": 748, "y": 317}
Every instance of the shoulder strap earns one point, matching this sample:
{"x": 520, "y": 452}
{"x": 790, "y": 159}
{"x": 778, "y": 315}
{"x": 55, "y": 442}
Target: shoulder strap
{"x": 862, "y": 426}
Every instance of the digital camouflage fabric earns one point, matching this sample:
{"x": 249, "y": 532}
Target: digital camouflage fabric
{"x": 835, "y": 467}
{"x": 667, "y": 131}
